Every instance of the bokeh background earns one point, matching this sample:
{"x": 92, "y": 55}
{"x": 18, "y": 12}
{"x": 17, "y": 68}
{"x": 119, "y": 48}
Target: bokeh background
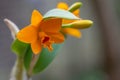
{"x": 96, "y": 56}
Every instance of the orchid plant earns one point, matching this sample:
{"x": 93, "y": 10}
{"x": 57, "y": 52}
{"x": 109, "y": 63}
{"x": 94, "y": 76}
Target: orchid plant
{"x": 36, "y": 45}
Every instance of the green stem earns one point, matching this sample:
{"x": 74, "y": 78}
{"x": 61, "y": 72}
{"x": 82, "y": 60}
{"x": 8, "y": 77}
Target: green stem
{"x": 32, "y": 65}
{"x": 18, "y": 70}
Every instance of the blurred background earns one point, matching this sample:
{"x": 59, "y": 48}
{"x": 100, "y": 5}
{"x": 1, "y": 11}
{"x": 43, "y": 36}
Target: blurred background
{"x": 96, "y": 56}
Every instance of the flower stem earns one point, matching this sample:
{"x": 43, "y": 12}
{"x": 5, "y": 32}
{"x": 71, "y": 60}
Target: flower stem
{"x": 32, "y": 65}
{"x": 17, "y": 71}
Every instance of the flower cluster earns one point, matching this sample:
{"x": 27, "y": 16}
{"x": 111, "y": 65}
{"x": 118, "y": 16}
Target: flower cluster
{"x": 41, "y": 32}
{"x": 45, "y": 32}
{"x": 43, "y": 37}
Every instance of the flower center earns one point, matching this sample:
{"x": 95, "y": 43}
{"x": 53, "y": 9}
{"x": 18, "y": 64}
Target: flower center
{"x": 45, "y": 39}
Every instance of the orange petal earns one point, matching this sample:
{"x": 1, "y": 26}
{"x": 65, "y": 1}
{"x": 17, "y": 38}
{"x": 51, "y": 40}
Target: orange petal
{"x": 50, "y": 48}
{"x": 76, "y": 12}
{"x": 57, "y": 37}
{"x": 43, "y": 37}
{"x": 51, "y": 25}
{"x": 27, "y": 34}
{"x": 66, "y": 21}
{"x": 48, "y": 45}
{"x": 72, "y": 32}
{"x": 62, "y": 5}
{"x": 36, "y": 18}
{"x": 36, "y": 47}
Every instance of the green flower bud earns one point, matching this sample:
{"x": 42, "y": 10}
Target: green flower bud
{"x": 75, "y": 6}
{"x": 81, "y": 24}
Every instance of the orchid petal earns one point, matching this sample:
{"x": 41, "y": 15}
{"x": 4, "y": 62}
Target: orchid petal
{"x": 57, "y": 37}
{"x": 51, "y": 25}
{"x": 27, "y": 34}
{"x": 36, "y": 47}
{"x": 36, "y": 18}
{"x": 62, "y": 5}
{"x": 72, "y": 32}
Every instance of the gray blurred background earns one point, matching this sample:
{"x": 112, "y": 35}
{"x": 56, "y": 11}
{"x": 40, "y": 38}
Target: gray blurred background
{"x": 96, "y": 56}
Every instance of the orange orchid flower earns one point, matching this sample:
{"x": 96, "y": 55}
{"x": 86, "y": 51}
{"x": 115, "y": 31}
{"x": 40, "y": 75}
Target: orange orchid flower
{"x": 70, "y": 31}
{"x": 41, "y": 33}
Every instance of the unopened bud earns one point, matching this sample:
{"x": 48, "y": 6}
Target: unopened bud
{"x": 81, "y": 24}
{"x": 75, "y": 6}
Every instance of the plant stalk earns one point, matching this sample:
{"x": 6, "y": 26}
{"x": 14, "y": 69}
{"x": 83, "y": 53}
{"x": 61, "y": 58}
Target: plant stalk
{"x": 32, "y": 65}
{"x": 18, "y": 70}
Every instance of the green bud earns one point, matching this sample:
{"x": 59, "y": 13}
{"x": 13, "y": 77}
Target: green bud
{"x": 75, "y": 6}
{"x": 81, "y": 24}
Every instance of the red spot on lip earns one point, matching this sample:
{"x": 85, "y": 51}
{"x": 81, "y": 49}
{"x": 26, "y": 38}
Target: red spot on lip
{"x": 45, "y": 39}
